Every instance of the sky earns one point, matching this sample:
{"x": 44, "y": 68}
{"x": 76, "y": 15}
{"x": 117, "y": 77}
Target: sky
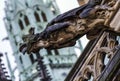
{"x": 64, "y": 6}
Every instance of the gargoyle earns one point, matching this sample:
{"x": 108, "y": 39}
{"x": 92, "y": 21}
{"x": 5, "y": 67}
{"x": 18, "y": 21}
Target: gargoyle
{"x": 67, "y": 28}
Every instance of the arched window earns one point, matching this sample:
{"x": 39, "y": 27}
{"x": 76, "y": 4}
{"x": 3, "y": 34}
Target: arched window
{"x": 49, "y": 52}
{"x": 26, "y": 20}
{"x": 37, "y": 17}
{"x": 31, "y": 58}
{"x": 56, "y": 52}
{"x": 21, "y": 24}
{"x": 43, "y": 16}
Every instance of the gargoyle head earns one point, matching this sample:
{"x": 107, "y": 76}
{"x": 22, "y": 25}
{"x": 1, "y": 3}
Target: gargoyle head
{"x": 32, "y": 43}
{"x": 35, "y": 47}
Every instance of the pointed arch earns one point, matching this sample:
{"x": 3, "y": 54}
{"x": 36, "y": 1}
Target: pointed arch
{"x": 56, "y": 51}
{"x": 21, "y": 24}
{"x": 37, "y": 17}
{"x": 44, "y": 16}
{"x": 49, "y": 52}
{"x": 26, "y": 20}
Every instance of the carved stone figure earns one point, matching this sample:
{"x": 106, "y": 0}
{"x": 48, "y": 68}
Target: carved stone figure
{"x": 65, "y": 29}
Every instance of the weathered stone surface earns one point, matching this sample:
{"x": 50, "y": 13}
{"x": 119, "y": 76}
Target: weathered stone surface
{"x": 115, "y": 22}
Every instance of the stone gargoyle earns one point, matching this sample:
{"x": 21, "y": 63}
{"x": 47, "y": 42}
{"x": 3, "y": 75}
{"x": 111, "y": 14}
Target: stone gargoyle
{"x": 67, "y": 28}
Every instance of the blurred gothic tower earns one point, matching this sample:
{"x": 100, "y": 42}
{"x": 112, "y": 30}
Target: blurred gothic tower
{"x": 21, "y": 15}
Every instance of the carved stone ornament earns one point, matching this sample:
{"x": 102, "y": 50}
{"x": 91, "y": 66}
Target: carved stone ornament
{"x": 94, "y": 64}
{"x": 67, "y": 28}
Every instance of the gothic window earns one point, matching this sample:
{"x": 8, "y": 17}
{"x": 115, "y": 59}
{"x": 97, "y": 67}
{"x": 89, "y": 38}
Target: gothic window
{"x": 26, "y": 20}
{"x": 37, "y": 17}
{"x": 37, "y": 55}
{"x": 21, "y": 60}
{"x": 31, "y": 58}
{"x": 56, "y": 52}
{"x": 43, "y": 16}
{"x": 49, "y": 52}
{"x": 21, "y": 24}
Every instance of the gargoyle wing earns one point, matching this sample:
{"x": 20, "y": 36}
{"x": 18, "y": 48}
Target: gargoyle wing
{"x": 75, "y": 12}
{"x": 67, "y": 15}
